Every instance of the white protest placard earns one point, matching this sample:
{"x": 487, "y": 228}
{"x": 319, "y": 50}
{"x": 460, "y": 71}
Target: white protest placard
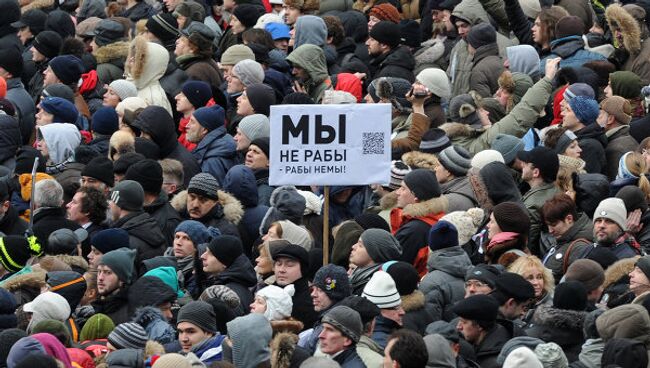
{"x": 347, "y": 144}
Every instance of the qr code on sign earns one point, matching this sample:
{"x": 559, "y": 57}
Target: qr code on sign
{"x": 373, "y": 143}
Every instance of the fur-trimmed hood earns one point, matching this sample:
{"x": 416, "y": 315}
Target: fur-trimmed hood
{"x": 618, "y": 270}
{"x": 619, "y": 19}
{"x": 628, "y": 321}
{"x": 290, "y": 326}
{"x": 413, "y": 301}
{"x": 428, "y": 207}
{"x": 149, "y": 62}
{"x": 112, "y": 51}
{"x": 421, "y": 160}
{"x": 232, "y": 208}
{"x": 31, "y": 280}
{"x": 153, "y": 348}
{"x": 480, "y": 190}
{"x": 283, "y": 346}
{"x": 73, "y": 261}
{"x": 460, "y": 130}
{"x": 561, "y": 319}
{"x": 389, "y": 201}
{"x": 121, "y": 142}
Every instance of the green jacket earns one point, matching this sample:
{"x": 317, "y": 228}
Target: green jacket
{"x": 312, "y": 59}
{"x": 516, "y": 123}
{"x": 534, "y": 200}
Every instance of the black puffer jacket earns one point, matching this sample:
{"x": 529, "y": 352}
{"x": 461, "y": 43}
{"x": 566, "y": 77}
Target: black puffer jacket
{"x": 144, "y": 235}
{"x": 165, "y": 215}
{"x": 561, "y": 326}
{"x": 397, "y": 63}
{"x": 593, "y": 141}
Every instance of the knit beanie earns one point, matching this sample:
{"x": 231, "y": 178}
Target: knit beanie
{"x": 221, "y": 293}
{"x": 371, "y": 221}
{"x": 190, "y": 9}
{"x": 382, "y": 291}
{"x": 100, "y": 168}
{"x": 508, "y": 145}
{"x": 105, "y": 121}
{"x": 404, "y": 274}
{"x": 387, "y": 33}
{"x": 442, "y": 235}
{"x": 168, "y": 275}
{"x": 346, "y": 320}
{"x": 172, "y": 360}
{"x": 8, "y": 338}
{"x": 612, "y": 209}
{"x": 247, "y": 14}
{"x": 586, "y": 271}
{"x": 198, "y": 93}
{"x": 569, "y": 26}
{"x": 410, "y": 34}
{"x": 15, "y": 251}
{"x": 12, "y": 61}
{"x": 128, "y": 195}
{"x": 110, "y": 239}
{"x": 211, "y": 117}
{"x": 334, "y": 281}
{"x": 63, "y": 110}
{"x": 484, "y": 273}
{"x": 644, "y": 265}
{"x": 67, "y": 68}
{"x": 236, "y": 53}
{"x": 385, "y": 11}
{"x": 481, "y": 34}
{"x": 423, "y": 183}
{"x": 433, "y": 141}
{"x": 398, "y": 169}
{"x": 456, "y": 160}
{"x": 486, "y": 157}
{"x": 295, "y": 234}
{"x": 466, "y": 222}
{"x": 124, "y": 89}
{"x": 48, "y": 43}
{"x": 619, "y": 107}
{"x": 261, "y": 97}
{"x": 254, "y": 126}
{"x": 436, "y": 80}
{"x": 391, "y": 89}
{"x": 570, "y": 295}
{"x": 278, "y": 301}
{"x": 586, "y": 109}
{"x": 381, "y": 245}
{"x": 200, "y": 314}
{"x": 578, "y": 89}
{"x": 120, "y": 261}
{"x": 148, "y": 173}
{"x": 462, "y": 109}
{"x": 511, "y": 217}
{"x": 551, "y": 355}
{"x": 128, "y": 335}
{"x": 226, "y": 248}
{"x": 522, "y": 357}
{"x": 164, "y": 26}
{"x": 626, "y": 84}
{"x": 196, "y": 231}
{"x": 263, "y": 143}
{"x": 99, "y": 326}
{"x": 249, "y": 72}
{"x": 204, "y": 185}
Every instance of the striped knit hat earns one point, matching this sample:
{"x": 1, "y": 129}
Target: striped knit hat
{"x": 434, "y": 141}
{"x": 456, "y": 159}
{"x": 128, "y": 335}
{"x": 14, "y": 252}
{"x": 382, "y": 291}
{"x": 204, "y": 185}
{"x": 398, "y": 169}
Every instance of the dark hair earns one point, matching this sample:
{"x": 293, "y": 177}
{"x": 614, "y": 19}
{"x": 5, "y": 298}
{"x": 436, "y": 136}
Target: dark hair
{"x": 334, "y": 29}
{"x": 552, "y": 136}
{"x": 548, "y": 17}
{"x": 94, "y": 204}
{"x": 558, "y": 208}
{"x": 409, "y": 349}
{"x": 258, "y": 36}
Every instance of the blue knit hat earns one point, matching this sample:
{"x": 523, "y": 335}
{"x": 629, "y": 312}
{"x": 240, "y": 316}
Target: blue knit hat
{"x": 110, "y": 239}
{"x": 63, "y": 110}
{"x": 105, "y": 121}
{"x": 586, "y": 109}
{"x": 198, "y": 93}
{"x": 197, "y": 231}
{"x": 442, "y": 235}
{"x": 211, "y": 117}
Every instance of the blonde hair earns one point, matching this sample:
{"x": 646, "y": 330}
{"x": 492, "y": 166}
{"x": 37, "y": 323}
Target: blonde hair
{"x": 525, "y": 263}
{"x": 636, "y": 165}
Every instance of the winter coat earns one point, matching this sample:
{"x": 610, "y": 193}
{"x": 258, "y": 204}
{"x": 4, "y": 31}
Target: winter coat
{"x": 165, "y": 215}
{"x": 35, "y": 85}
{"x": 571, "y": 50}
{"x": 579, "y": 235}
{"x": 199, "y": 68}
{"x": 444, "y": 285}
{"x": 643, "y": 236}
{"x": 160, "y": 126}
{"x": 411, "y": 228}
{"x": 335, "y": 5}
{"x": 216, "y": 153}
{"x": 488, "y": 350}
{"x": 433, "y": 53}
{"x": 624, "y": 247}
{"x": 619, "y": 142}
{"x": 349, "y": 358}
{"x": 397, "y": 62}
{"x": 240, "y": 278}
{"x": 418, "y": 314}
{"x": 316, "y": 67}
{"x": 116, "y": 306}
{"x": 534, "y": 200}
{"x": 141, "y": 10}
{"x": 144, "y": 235}
{"x": 628, "y": 321}
{"x": 100, "y": 145}
{"x": 486, "y": 68}
{"x": 303, "y": 309}
{"x": 522, "y": 117}
{"x": 110, "y": 61}
{"x": 370, "y": 353}
{"x": 383, "y": 328}
{"x": 155, "y": 324}
{"x": 24, "y": 106}
{"x": 225, "y": 215}
{"x": 561, "y": 326}
{"x": 264, "y": 190}
{"x": 459, "y": 194}
{"x": 49, "y": 219}
{"x": 150, "y": 64}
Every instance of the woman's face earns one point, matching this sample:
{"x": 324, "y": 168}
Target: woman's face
{"x": 538, "y": 32}
{"x": 493, "y": 227}
{"x": 536, "y": 278}
{"x": 263, "y": 263}
{"x": 573, "y": 150}
{"x": 236, "y": 26}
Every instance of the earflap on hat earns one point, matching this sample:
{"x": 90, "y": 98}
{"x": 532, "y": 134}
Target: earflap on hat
{"x": 466, "y": 110}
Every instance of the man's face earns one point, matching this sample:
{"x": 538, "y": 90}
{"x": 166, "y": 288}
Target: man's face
{"x": 281, "y": 44}
{"x": 211, "y": 264}
{"x": 512, "y": 310}
{"x": 189, "y": 335}
{"x": 194, "y": 131}
{"x": 199, "y": 206}
{"x": 537, "y": 31}
{"x": 570, "y": 120}
{"x": 41, "y": 146}
{"x": 235, "y": 84}
{"x": 332, "y": 340}
{"x": 242, "y": 140}
{"x": 476, "y": 287}
{"x": 256, "y": 158}
{"x": 299, "y": 73}
{"x": 89, "y": 182}
{"x": 405, "y": 196}
{"x": 171, "y": 4}
{"x": 73, "y": 209}
{"x": 602, "y": 118}
{"x": 638, "y": 281}
{"x": 470, "y": 330}
{"x": 258, "y": 305}
{"x": 463, "y": 28}
{"x": 244, "y": 107}
{"x": 395, "y": 314}
{"x": 287, "y": 271}
{"x": 94, "y": 257}
{"x": 49, "y": 77}
{"x": 374, "y": 47}
{"x": 359, "y": 255}
{"x": 107, "y": 280}
{"x": 608, "y": 90}
{"x": 110, "y": 98}
{"x": 528, "y": 171}
{"x": 291, "y": 14}
{"x": 43, "y": 117}
{"x": 183, "y": 105}
{"x": 183, "y": 245}
{"x": 182, "y": 46}
{"x": 372, "y": 20}
{"x": 36, "y": 55}
{"x": 229, "y": 5}
{"x": 606, "y": 231}
{"x": 319, "y": 299}
{"x": 25, "y": 34}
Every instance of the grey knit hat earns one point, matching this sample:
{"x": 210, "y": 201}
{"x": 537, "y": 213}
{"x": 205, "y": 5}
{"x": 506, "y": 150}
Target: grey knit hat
{"x": 255, "y": 126}
{"x": 128, "y": 335}
{"x": 223, "y": 293}
{"x": 508, "y": 146}
{"x": 204, "y": 185}
{"x": 456, "y": 159}
{"x": 381, "y": 245}
{"x": 334, "y": 281}
{"x": 124, "y": 88}
{"x": 128, "y": 195}
{"x": 249, "y": 72}
{"x": 346, "y": 320}
{"x": 120, "y": 261}
{"x": 551, "y": 355}
{"x": 199, "y": 313}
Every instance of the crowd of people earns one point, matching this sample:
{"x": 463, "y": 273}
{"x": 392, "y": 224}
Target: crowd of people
{"x": 138, "y": 227}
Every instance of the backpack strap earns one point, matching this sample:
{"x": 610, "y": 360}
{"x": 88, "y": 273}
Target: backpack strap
{"x": 567, "y": 254}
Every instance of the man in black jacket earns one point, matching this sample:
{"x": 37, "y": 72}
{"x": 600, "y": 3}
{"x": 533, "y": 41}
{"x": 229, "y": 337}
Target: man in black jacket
{"x": 389, "y": 59}
{"x": 114, "y": 276}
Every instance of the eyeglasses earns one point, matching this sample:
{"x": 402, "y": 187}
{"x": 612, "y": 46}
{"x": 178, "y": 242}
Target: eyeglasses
{"x": 476, "y": 284}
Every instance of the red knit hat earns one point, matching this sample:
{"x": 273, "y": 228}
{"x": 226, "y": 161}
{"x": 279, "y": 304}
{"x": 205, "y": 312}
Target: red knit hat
{"x": 3, "y": 88}
{"x": 386, "y": 11}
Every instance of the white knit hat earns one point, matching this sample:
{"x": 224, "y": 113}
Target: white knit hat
{"x": 131, "y": 104}
{"x": 485, "y": 157}
{"x": 278, "y": 301}
{"x": 612, "y": 209}
{"x": 124, "y": 88}
{"x": 266, "y": 19}
{"x": 255, "y": 126}
{"x": 522, "y": 357}
{"x": 436, "y": 80}
{"x": 466, "y": 222}
{"x": 382, "y": 291}
{"x": 312, "y": 201}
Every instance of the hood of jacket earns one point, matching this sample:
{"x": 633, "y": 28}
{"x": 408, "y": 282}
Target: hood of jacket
{"x": 216, "y": 143}
{"x": 143, "y": 227}
{"x": 240, "y": 181}
{"x": 150, "y": 291}
{"x": 29, "y": 280}
{"x": 523, "y": 59}
{"x": 440, "y": 353}
{"x": 231, "y": 208}
{"x": 62, "y": 139}
{"x": 429, "y": 207}
{"x": 629, "y": 321}
{"x": 123, "y": 358}
{"x": 593, "y": 131}
{"x": 567, "y": 46}
{"x": 355, "y": 25}
{"x": 618, "y": 270}
{"x": 240, "y": 271}
{"x": 115, "y": 53}
{"x": 471, "y": 12}
{"x": 150, "y": 62}
{"x": 628, "y": 26}
{"x": 484, "y": 51}
{"x": 560, "y": 319}
{"x": 251, "y": 336}
{"x": 156, "y": 121}
{"x": 453, "y": 261}
{"x": 312, "y": 59}
{"x": 624, "y": 353}
{"x": 493, "y": 184}
{"x": 310, "y": 29}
